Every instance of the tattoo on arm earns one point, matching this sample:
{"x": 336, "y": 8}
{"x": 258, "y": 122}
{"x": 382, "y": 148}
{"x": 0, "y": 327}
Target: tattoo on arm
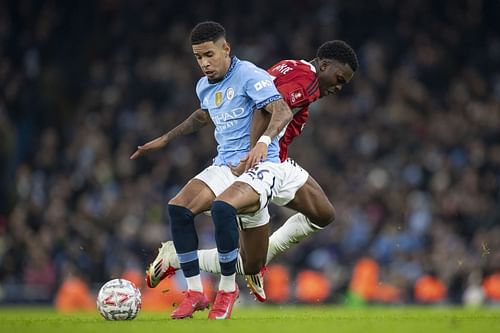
{"x": 193, "y": 123}
{"x": 260, "y": 122}
{"x": 281, "y": 115}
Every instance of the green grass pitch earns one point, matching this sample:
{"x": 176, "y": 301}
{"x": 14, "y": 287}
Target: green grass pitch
{"x": 261, "y": 319}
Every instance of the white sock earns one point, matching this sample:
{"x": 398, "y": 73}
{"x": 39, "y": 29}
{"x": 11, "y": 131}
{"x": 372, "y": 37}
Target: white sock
{"x": 209, "y": 262}
{"x": 227, "y": 282}
{"x": 295, "y": 229}
{"x": 194, "y": 283}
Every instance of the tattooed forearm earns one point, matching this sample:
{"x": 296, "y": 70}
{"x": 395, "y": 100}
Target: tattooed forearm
{"x": 193, "y": 123}
{"x": 281, "y": 116}
{"x": 260, "y": 122}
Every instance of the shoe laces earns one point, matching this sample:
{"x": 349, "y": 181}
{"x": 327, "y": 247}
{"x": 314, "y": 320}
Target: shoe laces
{"x": 222, "y": 301}
{"x": 190, "y": 298}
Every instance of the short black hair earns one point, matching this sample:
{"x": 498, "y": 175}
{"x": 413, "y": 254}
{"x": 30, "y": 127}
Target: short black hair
{"x": 340, "y": 51}
{"x": 207, "y": 31}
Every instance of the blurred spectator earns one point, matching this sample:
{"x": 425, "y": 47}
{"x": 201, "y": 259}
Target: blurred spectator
{"x": 491, "y": 287}
{"x": 430, "y": 290}
{"x": 312, "y": 287}
{"x": 277, "y": 283}
{"x": 74, "y": 294}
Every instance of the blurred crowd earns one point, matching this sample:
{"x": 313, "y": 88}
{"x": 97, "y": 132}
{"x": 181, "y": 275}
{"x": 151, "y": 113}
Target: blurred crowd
{"x": 409, "y": 152}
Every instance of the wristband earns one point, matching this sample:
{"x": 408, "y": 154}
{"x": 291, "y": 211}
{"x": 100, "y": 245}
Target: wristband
{"x": 265, "y": 139}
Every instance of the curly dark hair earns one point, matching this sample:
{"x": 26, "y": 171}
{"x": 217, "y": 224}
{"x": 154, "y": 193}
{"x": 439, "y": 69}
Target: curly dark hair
{"x": 207, "y": 31}
{"x": 340, "y": 51}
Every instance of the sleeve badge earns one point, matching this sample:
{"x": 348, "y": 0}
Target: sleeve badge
{"x": 297, "y": 96}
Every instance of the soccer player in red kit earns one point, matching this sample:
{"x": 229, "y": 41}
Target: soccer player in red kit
{"x": 300, "y": 83}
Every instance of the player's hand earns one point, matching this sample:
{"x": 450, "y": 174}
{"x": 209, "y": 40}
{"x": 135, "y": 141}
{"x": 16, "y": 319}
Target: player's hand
{"x": 237, "y": 170}
{"x": 155, "y": 144}
{"x": 256, "y": 155}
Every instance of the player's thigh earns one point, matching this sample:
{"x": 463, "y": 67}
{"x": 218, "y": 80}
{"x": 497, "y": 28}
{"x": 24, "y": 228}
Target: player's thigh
{"x": 252, "y": 190}
{"x": 254, "y": 243}
{"x": 312, "y": 201}
{"x": 195, "y": 196}
{"x": 242, "y": 197}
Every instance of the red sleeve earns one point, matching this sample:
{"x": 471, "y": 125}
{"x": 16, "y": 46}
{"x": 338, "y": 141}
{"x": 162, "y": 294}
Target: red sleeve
{"x": 299, "y": 86}
{"x": 293, "y": 130}
{"x": 295, "y": 94}
{"x": 296, "y": 81}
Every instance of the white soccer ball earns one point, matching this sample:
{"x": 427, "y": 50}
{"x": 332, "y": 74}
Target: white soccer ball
{"x": 119, "y": 299}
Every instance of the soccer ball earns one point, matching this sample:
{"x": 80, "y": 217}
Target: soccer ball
{"x": 119, "y": 299}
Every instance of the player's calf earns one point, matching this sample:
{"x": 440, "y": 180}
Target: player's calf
{"x": 253, "y": 266}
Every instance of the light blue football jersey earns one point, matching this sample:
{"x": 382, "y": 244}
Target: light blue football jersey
{"x": 231, "y": 103}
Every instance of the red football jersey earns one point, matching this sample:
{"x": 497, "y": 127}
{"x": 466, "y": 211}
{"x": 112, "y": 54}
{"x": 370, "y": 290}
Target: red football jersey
{"x": 297, "y": 82}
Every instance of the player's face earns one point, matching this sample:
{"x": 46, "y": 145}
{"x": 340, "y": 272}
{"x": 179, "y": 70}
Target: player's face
{"x": 213, "y": 58}
{"x": 333, "y": 75}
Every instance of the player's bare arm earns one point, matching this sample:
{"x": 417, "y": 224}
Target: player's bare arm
{"x": 193, "y": 123}
{"x": 281, "y": 115}
{"x": 260, "y": 122}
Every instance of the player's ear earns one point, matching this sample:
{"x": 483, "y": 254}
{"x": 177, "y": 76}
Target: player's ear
{"x": 323, "y": 64}
{"x": 227, "y": 48}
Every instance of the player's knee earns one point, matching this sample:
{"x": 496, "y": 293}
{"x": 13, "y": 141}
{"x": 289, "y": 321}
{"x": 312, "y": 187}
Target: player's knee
{"x": 332, "y": 214}
{"x": 180, "y": 200}
{"x": 325, "y": 216}
{"x": 329, "y": 215}
{"x": 175, "y": 202}
{"x": 222, "y": 212}
{"x": 196, "y": 205}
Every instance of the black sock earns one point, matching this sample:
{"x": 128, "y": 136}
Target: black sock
{"x": 185, "y": 239}
{"x": 226, "y": 235}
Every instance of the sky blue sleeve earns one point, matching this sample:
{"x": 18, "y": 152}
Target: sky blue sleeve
{"x": 260, "y": 87}
{"x": 199, "y": 93}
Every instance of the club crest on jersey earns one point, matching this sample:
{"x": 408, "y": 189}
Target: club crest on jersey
{"x": 219, "y": 96}
{"x": 296, "y": 96}
{"x": 230, "y": 94}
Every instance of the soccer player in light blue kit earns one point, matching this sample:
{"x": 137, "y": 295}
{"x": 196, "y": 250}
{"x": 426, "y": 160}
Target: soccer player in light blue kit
{"x": 229, "y": 93}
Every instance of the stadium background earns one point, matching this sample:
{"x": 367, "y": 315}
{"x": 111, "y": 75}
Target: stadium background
{"x": 408, "y": 152}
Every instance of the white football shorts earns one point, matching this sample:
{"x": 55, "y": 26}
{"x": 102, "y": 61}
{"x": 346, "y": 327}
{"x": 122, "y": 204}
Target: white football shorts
{"x": 218, "y": 178}
{"x": 274, "y": 182}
